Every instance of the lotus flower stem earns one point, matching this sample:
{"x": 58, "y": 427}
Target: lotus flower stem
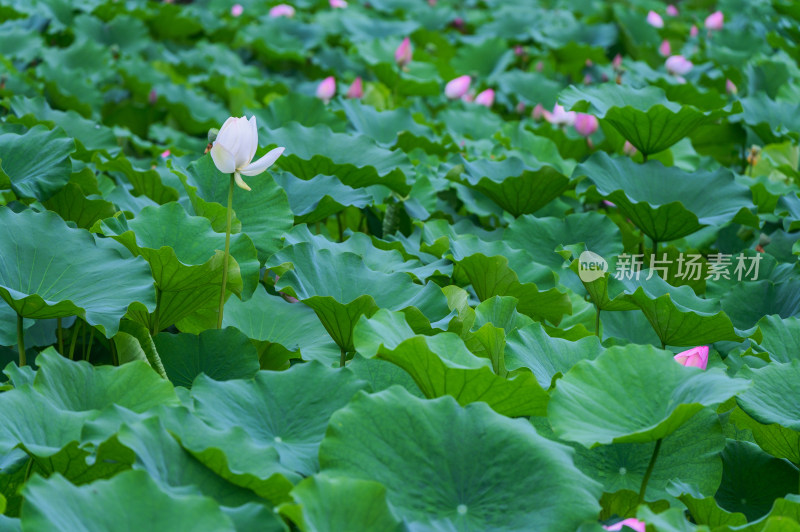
{"x": 227, "y": 254}
{"x": 74, "y": 340}
{"x": 21, "y": 340}
{"x": 113, "y": 348}
{"x": 649, "y": 471}
{"x": 342, "y": 357}
{"x": 88, "y": 352}
{"x": 60, "y": 337}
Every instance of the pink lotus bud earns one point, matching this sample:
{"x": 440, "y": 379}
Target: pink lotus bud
{"x": 520, "y": 107}
{"x": 672, "y": 11}
{"x": 237, "y": 10}
{"x": 715, "y": 21}
{"x": 693, "y": 31}
{"x": 356, "y": 89}
{"x": 152, "y": 97}
{"x": 457, "y": 87}
{"x": 587, "y": 79}
{"x": 629, "y": 149}
{"x": 665, "y": 49}
{"x": 585, "y": 124}
{"x": 538, "y": 112}
{"x": 402, "y": 56}
{"x": 282, "y": 10}
{"x": 485, "y": 98}
{"x": 632, "y": 523}
{"x": 655, "y": 20}
{"x": 327, "y": 89}
{"x": 337, "y": 4}
{"x": 165, "y": 154}
{"x": 588, "y": 62}
{"x": 678, "y": 65}
{"x": 617, "y": 62}
{"x": 603, "y": 77}
{"x": 609, "y": 204}
{"x": 458, "y": 23}
{"x": 730, "y": 88}
{"x": 539, "y": 66}
{"x": 432, "y": 3}
{"x": 519, "y": 50}
{"x": 696, "y": 357}
{"x": 559, "y": 116}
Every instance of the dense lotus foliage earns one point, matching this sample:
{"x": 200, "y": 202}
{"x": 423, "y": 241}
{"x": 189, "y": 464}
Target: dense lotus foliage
{"x": 399, "y": 265}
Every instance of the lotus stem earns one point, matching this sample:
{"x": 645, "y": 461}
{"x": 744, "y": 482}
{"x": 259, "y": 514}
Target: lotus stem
{"x": 74, "y": 340}
{"x": 649, "y": 471}
{"x": 227, "y": 255}
{"x": 60, "y": 337}
{"x": 342, "y": 357}
{"x": 21, "y": 340}
{"x": 88, "y": 352}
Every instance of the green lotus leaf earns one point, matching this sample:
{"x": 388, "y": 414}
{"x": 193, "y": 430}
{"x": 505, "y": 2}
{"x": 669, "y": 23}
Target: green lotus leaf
{"x": 73, "y": 206}
{"x": 775, "y": 439}
{"x": 470, "y": 458}
{"x": 774, "y": 397}
{"x": 35, "y": 164}
{"x": 771, "y": 120}
{"x": 678, "y": 316}
{"x": 41, "y": 280}
{"x": 690, "y": 454}
{"x": 705, "y": 510}
{"x": 263, "y": 211}
{"x": 316, "y": 199}
{"x": 492, "y": 276}
{"x": 780, "y": 338}
{"x": 381, "y": 374}
{"x": 329, "y": 504}
{"x": 145, "y": 182}
{"x": 262, "y": 318}
{"x": 748, "y": 302}
{"x": 221, "y": 354}
{"x": 512, "y": 184}
{"x": 752, "y": 480}
{"x": 663, "y": 201}
{"x": 284, "y": 410}
{"x": 340, "y": 289}
{"x": 546, "y": 357}
{"x": 186, "y": 257}
{"x": 643, "y": 116}
{"x": 356, "y": 160}
{"x": 130, "y": 501}
{"x": 633, "y": 394}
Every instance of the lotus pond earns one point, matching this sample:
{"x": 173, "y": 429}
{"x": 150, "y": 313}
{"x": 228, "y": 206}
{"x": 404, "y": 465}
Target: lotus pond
{"x": 399, "y": 265}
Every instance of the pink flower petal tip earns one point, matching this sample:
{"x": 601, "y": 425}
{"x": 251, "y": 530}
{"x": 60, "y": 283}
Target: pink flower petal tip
{"x": 696, "y": 357}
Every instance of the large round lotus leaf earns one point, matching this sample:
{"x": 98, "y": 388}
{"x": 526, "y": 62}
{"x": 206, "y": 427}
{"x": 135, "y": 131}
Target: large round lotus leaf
{"x": 633, "y": 394}
{"x": 42, "y": 275}
{"x": 263, "y": 210}
{"x": 129, "y": 502}
{"x": 35, "y": 164}
{"x": 287, "y": 410}
{"x": 775, "y": 395}
{"x": 316, "y": 199}
{"x": 690, "y": 454}
{"x": 223, "y": 355}
{"x": 473, "y": 468}
{"x": 643, "y": 116}
{"x": 663, "y": 201}
{"x": 332, "y": 504}
{"x": 186, "y": 257}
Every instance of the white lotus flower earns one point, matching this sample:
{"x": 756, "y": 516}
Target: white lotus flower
{"x": 235, "y": 147}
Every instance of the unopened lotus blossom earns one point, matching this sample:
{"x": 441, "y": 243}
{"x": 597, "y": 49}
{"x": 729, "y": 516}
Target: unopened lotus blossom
{"x": 678, "y": 65}
{"x": 458, "y": 87}
{"x": 282, "y": 10}
{"x": 587, "y": 79}
{"x": 237, "y": 10}
{"x": 326, "y": 89}
{"x": 629, "y": 149}
{"x": 730, "y": 88}
{"x": 165, "y": 154}
{"x": 715, "y": 21}
{"x": 485, "y": 98}
{"x": 356, "y": 89}
{"x": 617, "y": 62}
{"x": 538, "y": 112}
{"x": 559, "y": 116}
{"x": 633, "y": 523}
{"x": 585, "y": 124}
{"x": 693, "y": 31}
{"x": 520, "y": 107}
{"x": 539, "y": 66}
{"x": 402, "y": 56}
{"x": 235, "y": 146}
{"x": 152, "y": 97}
{"x": 665, "y": 49}
{"x": 655, "y": 20}
{"x": 696, "y": 357}
{"x": 672, "y": 10}
{"x": 337, "y": 4}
